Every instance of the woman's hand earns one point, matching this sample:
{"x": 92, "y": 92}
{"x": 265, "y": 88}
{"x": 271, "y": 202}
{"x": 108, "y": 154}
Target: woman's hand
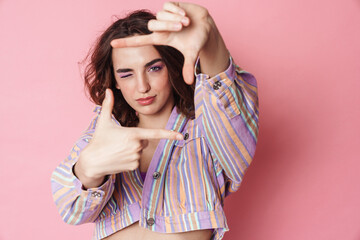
{"x": 190, "y": 29}
{"x": 113, "y": 148}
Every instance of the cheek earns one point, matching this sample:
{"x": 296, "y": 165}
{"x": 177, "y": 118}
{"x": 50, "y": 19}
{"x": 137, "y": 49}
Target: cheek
{"x": 126, "y": 89}
{"x": 163, "y": 83}
{"x": 164, "y": 86}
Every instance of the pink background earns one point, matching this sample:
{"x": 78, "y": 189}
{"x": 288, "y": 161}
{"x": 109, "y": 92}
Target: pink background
{"x": 304, "y": 182}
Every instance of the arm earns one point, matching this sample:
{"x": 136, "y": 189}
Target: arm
{"x": 214, "y": 56}
{"x": 227, "y": 111}
{"x": 226, "y": 103}
{"x": 76, "y": 204}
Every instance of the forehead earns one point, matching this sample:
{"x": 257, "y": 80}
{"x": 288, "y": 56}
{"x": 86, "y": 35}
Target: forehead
{"x": 133, "y": 56}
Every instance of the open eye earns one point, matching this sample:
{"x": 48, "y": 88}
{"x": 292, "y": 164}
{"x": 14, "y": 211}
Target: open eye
{"x": 155, "y": 68}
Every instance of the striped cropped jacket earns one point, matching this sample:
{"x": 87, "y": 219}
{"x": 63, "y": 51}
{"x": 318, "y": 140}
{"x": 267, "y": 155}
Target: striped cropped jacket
{"x": 187, "y": 180}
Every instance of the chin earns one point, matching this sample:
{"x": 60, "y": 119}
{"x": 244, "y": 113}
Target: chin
{"x": 150, "y": 111}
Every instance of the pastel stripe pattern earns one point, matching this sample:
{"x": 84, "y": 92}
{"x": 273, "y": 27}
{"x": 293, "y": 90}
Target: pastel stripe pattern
{"x": 194, "y": 175}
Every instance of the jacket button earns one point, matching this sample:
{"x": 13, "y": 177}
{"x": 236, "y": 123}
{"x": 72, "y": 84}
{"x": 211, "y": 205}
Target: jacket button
{"x": 150, "y": 221}
{"x": 96, "y": 194}
{"x": 156, "y": 175}
{"x": 186, "y": 136}
{"x": 216, "y": 85}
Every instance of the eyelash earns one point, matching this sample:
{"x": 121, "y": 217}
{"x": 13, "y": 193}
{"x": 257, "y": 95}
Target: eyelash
{"x": 155, "y": 68}
{"x": 125, "y": 76}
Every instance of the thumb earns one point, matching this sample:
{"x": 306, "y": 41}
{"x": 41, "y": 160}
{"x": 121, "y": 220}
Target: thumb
{"x": 188, "y": 69}
{"x": 107, "y": 106}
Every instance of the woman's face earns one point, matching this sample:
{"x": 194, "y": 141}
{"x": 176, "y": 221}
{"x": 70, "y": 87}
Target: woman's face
{"x": 142, "y": 78}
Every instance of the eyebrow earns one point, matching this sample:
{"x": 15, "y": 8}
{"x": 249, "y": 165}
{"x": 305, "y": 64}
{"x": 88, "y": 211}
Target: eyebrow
{"x": 121, "y": 70}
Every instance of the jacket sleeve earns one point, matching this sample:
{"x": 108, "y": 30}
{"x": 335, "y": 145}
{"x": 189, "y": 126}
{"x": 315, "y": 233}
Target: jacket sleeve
{"x": 75, "y": 204}
{"x": 226, "y": 109}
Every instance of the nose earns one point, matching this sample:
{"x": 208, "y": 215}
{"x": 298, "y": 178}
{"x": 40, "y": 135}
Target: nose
{"x": 143, "y": 84}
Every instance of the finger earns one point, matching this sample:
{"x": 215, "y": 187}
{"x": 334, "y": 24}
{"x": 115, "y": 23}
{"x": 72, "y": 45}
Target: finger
{"x": 107, "y": 106}
{"x": 156, "y": 25}
{"x": 174, "y": 7}
{"x": 168, "y": 16}
{"x": 134, "y": 41}
{"x": 188, "y": 68}
{"x": 145, "y": 133}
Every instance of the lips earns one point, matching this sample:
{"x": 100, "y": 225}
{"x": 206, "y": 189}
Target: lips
{"x": 146, "y": 101}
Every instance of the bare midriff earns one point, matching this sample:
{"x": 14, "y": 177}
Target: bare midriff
{"x": 136, "y": 232}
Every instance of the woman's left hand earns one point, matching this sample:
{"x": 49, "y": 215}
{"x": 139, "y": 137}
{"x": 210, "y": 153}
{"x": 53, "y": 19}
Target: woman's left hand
{"x": 185, "y": 26}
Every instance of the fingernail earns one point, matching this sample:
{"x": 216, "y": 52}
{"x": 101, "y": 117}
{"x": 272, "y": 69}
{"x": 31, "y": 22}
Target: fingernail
{"x": 182, "y": 12}
{"x": 185, "y": 20}
{"x": 177, "y": 26}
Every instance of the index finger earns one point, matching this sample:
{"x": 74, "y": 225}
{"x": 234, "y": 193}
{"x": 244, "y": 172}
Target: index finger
{"x": 134, "y": 41}
{"x": 174, "y": 7}
{"x": 145, "y": 133}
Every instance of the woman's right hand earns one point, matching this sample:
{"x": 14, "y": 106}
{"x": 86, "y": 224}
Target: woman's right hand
{"x": 113, "y": 148}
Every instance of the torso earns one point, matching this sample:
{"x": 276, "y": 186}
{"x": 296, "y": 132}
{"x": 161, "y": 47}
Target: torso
{"x": 134, "y": 231}
{"x": 147, "y": 155}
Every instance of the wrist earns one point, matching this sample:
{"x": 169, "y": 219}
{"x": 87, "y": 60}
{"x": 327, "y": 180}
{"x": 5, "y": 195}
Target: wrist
{"x": 214, "y": 56}
{"x": 89, "y": 178}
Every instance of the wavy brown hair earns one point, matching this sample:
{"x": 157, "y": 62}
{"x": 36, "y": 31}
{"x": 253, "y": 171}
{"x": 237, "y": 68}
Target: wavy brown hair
{"x": 99, "y": 73}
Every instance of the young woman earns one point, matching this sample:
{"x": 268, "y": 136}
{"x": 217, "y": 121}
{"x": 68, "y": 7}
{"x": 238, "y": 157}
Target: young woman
{"x": 164, "y": 148}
